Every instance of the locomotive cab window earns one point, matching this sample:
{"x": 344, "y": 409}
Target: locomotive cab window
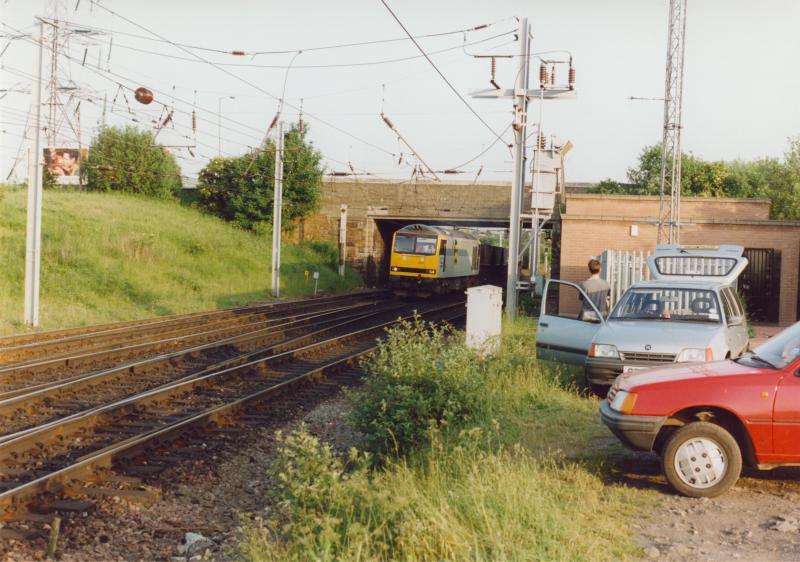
{"x": 405, "y": 244}
{"x": 426, "y": 246}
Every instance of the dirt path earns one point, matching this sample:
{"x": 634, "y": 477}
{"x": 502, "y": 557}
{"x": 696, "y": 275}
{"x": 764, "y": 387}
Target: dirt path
{"x": 758, "y": 520}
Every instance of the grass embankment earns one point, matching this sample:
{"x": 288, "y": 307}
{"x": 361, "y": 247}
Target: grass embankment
{"x": 108, "y": 257}
{"x": 507, "y": 470}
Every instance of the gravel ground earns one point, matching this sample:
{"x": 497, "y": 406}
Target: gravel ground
{"x": 201, "y": 496}
{"x": 758, "y": 520}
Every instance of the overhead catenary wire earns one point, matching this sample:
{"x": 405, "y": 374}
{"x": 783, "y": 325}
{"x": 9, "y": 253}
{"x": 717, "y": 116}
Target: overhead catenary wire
{"x": 439, "y": 72}
{"x": 239, "y": 52}
{"x": 245, "y": 81}
{"x": 314, "y": 66}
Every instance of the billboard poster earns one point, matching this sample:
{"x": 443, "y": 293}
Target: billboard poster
{"x": 64, "y": 164}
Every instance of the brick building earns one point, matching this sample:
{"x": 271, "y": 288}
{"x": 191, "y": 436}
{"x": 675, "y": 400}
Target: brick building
{"x": 592, "y": 224}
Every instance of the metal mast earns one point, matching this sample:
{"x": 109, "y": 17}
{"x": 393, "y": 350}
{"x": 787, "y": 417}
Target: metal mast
{"x": 669, "y": 208}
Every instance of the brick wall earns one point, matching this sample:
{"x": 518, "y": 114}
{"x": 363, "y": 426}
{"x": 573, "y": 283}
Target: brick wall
{"x": 588, "y": 234}
{"x": 705, "y": 208}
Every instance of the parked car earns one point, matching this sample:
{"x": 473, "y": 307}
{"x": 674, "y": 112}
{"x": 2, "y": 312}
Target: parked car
{"x": 689, "y": 312}
{"x": 706, "y": 419}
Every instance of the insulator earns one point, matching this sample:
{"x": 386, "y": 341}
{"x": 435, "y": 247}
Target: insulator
{"x": 386, "y": 120}
{"x": 194, "y": 121}
{"x": 553, "y": 75}
{"x": 238, "y": 53}
{"x": 494, "y": 67}
{"x": 142, "y": 95}
{"x": 542, "y": 141}
{"x": 274, "y": 121}
{"x": 571, "y": 77}
{"x": 542, "y": 75}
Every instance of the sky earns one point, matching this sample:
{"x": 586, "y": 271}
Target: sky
{"x": 741, "y": 83}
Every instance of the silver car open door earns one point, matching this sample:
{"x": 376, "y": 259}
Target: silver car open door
{"x": 567, "y": 324}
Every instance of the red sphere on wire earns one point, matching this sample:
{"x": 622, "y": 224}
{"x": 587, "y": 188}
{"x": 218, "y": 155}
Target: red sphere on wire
{"x": 143, "y": 95}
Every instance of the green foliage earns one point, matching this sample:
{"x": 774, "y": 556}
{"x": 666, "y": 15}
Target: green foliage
{"x": 523, "y": 487}
{"x": 48, "y": 179}
{"x": 770, "y": 178}
{"x": 128, "y": 159}
{"x": 421, "y": 377}
{"x": 608, "y": 186}
{"x": 241, "y": 189}
{"x": 111, "y": 256}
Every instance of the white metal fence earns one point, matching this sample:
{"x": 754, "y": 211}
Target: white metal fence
{"x": 621, "y": 269}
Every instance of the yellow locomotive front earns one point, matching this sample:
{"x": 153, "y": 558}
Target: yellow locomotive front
{"x": 430, "y": 259}
{"x": 415, "y": 254}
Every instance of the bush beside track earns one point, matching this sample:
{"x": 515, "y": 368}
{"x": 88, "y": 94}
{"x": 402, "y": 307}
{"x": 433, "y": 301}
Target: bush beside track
{"x": 466, "y": 460}
{"x": 109, "y": 257}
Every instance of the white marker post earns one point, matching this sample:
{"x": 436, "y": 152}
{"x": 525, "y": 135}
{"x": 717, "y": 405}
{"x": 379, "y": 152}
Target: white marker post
{"x": 342, "y": 238}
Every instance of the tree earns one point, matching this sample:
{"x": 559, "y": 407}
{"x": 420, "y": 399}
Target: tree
{"x": 128, "y": 159}
{"x": 241, "y": 189}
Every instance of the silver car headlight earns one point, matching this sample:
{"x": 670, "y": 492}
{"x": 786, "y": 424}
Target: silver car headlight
{"x": 604, "y": 350}
{"x": 695, "y": 354}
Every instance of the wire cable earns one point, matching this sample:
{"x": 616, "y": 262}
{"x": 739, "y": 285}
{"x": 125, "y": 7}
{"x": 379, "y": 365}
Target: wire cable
{"x": 439, "y": 72}
{"x": 287, "y": 51}
{"x": 248, "y": 82}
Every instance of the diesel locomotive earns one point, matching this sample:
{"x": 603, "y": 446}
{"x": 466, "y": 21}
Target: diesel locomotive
{"x": 428, "y": 260}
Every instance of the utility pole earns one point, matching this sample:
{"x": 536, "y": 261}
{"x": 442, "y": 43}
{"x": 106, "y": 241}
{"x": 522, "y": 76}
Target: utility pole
{"x": 518, "y": 179}
{"x": 33, "y": 240}
{"x": 277, "y": 209}
{"x": 669, "y": 207}
{"x": 520, "y": 95}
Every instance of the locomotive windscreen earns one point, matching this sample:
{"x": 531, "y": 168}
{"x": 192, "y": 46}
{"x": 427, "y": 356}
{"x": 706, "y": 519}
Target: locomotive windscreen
{"x": 405, "y": 244}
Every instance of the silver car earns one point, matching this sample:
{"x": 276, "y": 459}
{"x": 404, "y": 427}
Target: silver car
{"x": 690, "y": 311}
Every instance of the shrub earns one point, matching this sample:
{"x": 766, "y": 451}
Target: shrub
{"x": 128, "y": 159}
{"x": 460, "y": 500}
{"x": 241, "y": 189}
{"x": 422, "y": 376}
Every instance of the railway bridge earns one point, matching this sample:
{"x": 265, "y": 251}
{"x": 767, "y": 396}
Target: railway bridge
{"x": 376, "y": 209}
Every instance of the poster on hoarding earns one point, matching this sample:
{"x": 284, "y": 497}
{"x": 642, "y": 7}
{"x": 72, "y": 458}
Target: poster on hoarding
{"x": 64, "y": 164}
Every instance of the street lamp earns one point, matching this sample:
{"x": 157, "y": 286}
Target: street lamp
{"x": 219, "y": 117}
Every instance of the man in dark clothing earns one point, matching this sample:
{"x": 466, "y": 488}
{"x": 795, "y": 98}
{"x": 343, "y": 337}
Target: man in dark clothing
{"x": 597, "y": 290}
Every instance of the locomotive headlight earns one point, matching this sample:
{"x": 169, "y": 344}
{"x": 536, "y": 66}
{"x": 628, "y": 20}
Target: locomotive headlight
{"x": 394, "y": 268}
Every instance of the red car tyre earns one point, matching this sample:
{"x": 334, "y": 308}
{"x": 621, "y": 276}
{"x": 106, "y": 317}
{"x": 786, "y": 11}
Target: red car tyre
{"x": 701, "y": 460}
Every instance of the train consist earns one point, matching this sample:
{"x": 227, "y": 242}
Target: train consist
{"x": 428, "y": 260}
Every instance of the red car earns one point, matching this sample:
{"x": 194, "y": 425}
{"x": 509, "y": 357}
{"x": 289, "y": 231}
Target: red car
{"x": 706, "y": 419}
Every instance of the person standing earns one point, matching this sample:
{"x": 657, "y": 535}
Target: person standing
{"x": 598, "y": 291}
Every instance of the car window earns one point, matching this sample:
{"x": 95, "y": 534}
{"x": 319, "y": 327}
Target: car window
{"x": 730, "y": 312}
{"x": 656, "y": 303}
{"x": 571, "y": 304}
{"x": 779, "y": 350}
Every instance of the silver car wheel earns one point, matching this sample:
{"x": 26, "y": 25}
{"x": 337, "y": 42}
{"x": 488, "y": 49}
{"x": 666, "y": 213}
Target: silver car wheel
{"x": 700, "y": 462}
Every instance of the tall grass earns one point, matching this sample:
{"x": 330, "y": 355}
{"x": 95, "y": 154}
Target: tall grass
{"x": 109, "y": 257}
{"x": 517, "y": 481}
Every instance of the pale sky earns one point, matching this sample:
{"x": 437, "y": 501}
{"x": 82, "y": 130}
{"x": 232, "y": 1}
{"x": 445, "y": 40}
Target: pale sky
{"x": 742, "y": 81}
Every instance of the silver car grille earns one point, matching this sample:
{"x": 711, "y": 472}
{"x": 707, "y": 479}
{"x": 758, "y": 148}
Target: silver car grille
{"x": 647, "y": 357}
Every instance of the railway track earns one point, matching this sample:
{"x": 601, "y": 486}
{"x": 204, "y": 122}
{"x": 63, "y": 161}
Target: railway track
{"x": 23, "y": 348}
{"x": 76, "y": 441}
